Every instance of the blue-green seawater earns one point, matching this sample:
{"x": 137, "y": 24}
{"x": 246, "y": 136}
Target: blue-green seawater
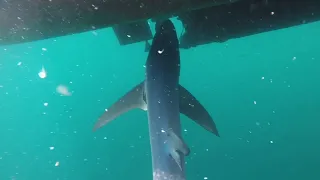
{"x": 261, "y": 90}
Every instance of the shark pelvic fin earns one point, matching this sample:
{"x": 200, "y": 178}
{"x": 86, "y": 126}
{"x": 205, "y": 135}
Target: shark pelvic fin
{"x": 194, "y": 110}
{"x": 177, "y": 143}
{"x": 133, "y": 99}
{"x": 176, "y": 155}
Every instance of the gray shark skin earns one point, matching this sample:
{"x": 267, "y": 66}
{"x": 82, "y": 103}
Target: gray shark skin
{"x": 162, "y": 94}
{"x": 164, "y": 99}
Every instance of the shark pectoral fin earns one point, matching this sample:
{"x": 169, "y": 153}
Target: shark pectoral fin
{"x": 133, "y": 99}
{"x": 176, "y": 156}
{"x": 178, "y": 144}
{"x": 192, "y": 108}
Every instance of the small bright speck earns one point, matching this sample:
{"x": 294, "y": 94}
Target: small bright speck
{"x": 254, "y": 102}
{"x": 257, "y": 123}
{"x": 160, "y": 51}
{"x": 162, "y": 130}
{"x": 57, "y": 164}
{"x": 42, "y": 74}
{"x": 185, "y": 130}
{"x": 205, "y": 178}
{"x": 272, "y": 13}
{"x": 51, "y": 148}
{"x": 19, "y": 63}
{"x": 262, "y": 78}
{"x": 105, "y": 110}
{"x": 128, "y": 36}
{"x": 44, "y": 49}
{"x": 45, "y": 104}
{"x": 271, "y": 142}
{"x": 294, "y": 58}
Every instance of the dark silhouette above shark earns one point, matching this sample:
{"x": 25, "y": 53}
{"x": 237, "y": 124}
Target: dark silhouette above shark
{"x": 164, "y": 99}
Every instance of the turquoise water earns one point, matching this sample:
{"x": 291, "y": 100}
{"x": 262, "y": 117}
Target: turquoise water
{"x": 262, "y": 91}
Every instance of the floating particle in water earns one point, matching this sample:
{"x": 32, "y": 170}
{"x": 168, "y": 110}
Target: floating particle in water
{"x": 19, "y": 63}
{"x": 257, "y": 123}
{"x": 262, "y": 78}
{"x": 63, "y": 90}
{"x": 95, "y": 7}
{"x": 294, "y": 58}
{"x": 271, "y": 142}
{"x": 57, "y": 164}
{"x": 45, "y": 104}
{"x": 254, "y": 102}
{"x": 94, "y": 33}
{"x": 43, "y": 73}
{"x": 44, "y": 49}
{"x": 205, "y": 178}
{"x": 51, "y": 148}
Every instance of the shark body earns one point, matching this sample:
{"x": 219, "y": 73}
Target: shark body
{"x": 164, "y": 99}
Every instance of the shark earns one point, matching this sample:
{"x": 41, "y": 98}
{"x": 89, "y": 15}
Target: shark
{"x": 162, "y": 96}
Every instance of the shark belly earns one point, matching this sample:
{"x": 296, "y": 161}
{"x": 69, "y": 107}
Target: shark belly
{"x": 163, "y": 116}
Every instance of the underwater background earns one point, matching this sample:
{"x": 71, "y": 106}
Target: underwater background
{"x": 261, "y": 90}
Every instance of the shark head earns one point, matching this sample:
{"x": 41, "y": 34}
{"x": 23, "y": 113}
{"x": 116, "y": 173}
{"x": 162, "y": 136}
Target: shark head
{"x": 164, "y": 52}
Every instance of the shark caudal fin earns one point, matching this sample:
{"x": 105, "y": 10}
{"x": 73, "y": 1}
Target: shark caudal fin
{"x": 194, "y": 110}
{"x": 133, "y": 99}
